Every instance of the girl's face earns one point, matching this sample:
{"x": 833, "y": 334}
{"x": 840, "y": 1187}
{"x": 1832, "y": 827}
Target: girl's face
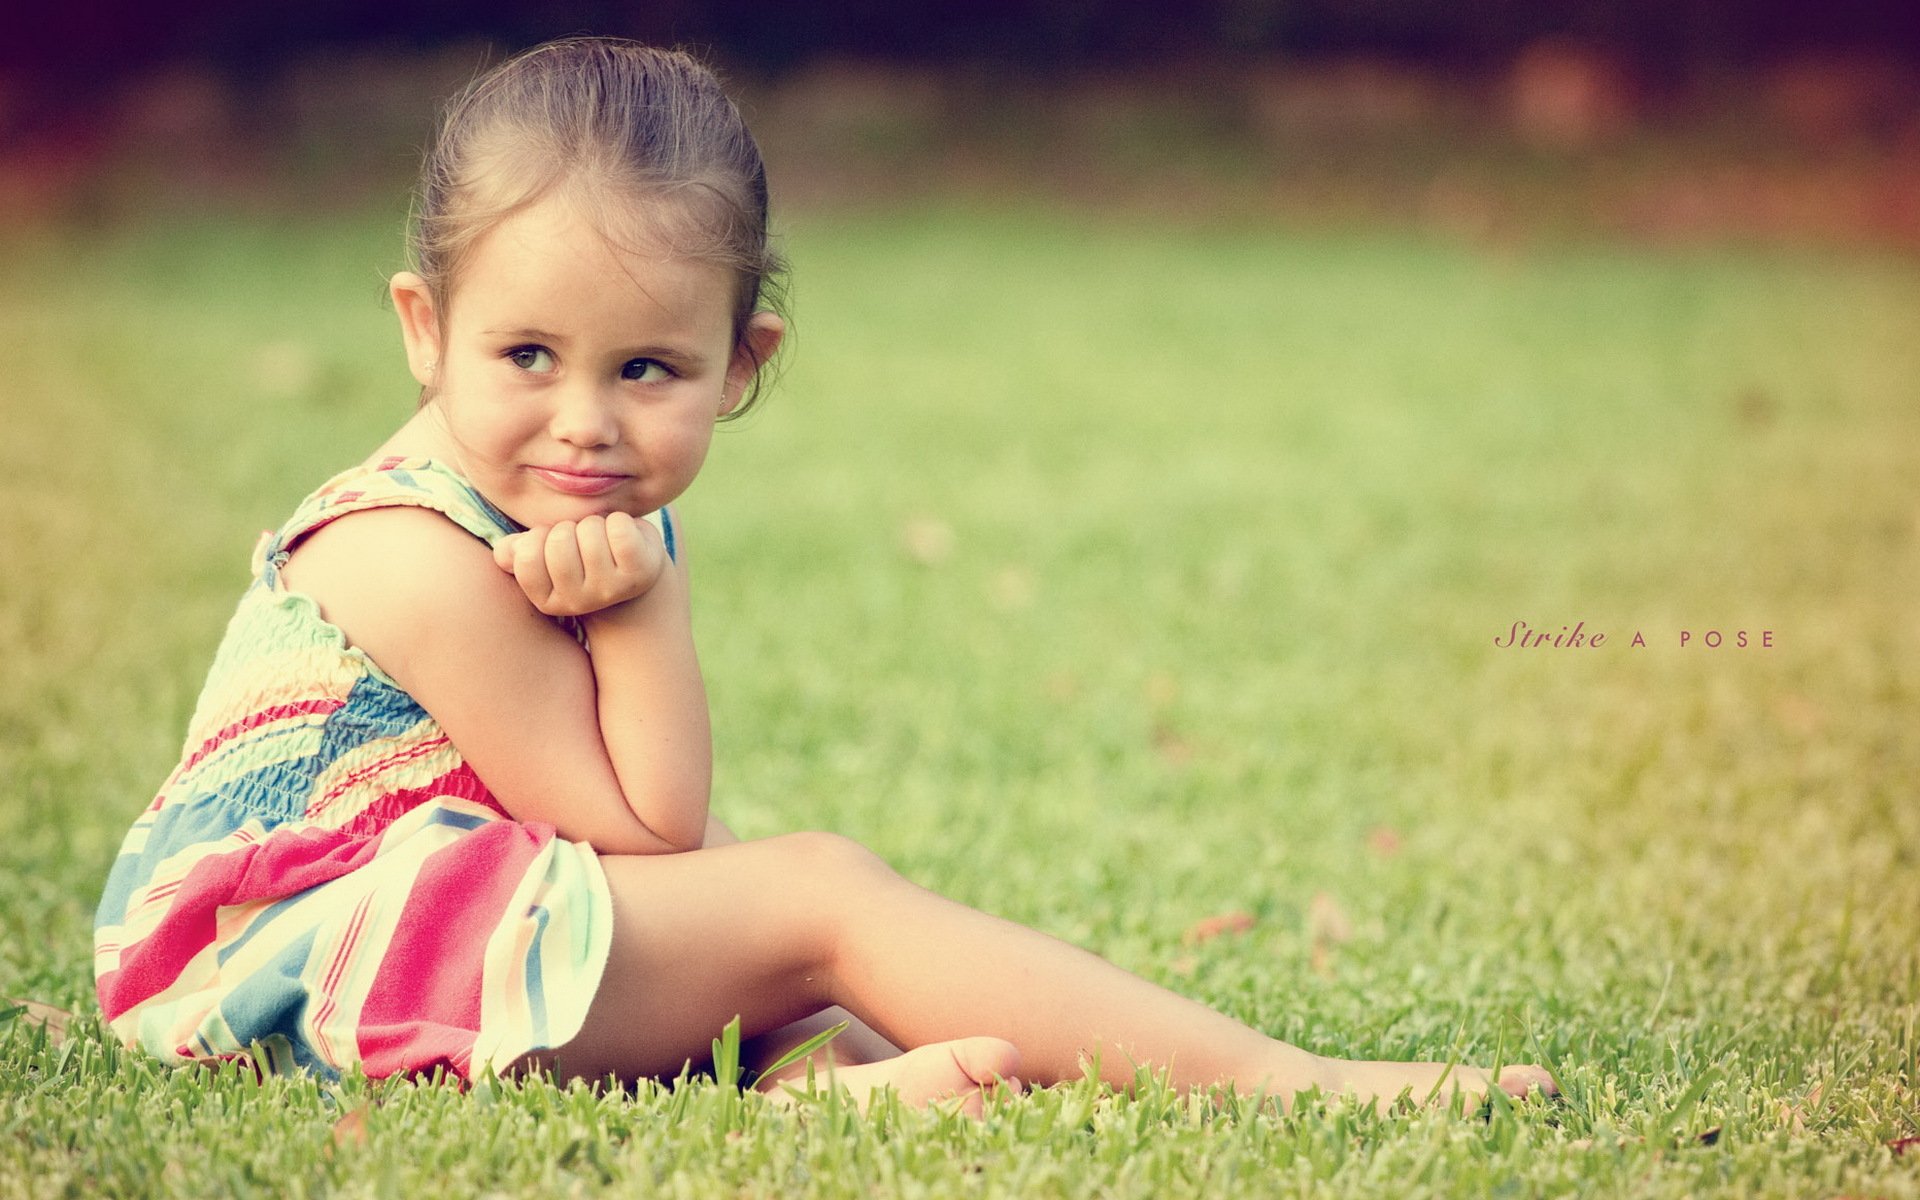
{"x": 573, "y": 376}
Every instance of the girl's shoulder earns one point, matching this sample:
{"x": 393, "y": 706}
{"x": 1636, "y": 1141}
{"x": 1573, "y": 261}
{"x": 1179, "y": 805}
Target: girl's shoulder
{"x": 406, "y": 565}
{"x": 409, "y": 578}
{"x": 421, "y": 523}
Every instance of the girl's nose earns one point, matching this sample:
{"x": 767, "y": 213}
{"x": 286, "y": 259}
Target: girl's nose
{"x": 583, "y": 417}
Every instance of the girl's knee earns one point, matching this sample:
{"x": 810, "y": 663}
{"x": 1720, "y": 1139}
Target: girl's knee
{"x": 830, "y": 858}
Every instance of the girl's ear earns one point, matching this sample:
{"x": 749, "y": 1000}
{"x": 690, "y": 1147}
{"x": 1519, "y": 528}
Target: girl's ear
{"x": 757, "y": 343}
{"x": 419, "y": 324}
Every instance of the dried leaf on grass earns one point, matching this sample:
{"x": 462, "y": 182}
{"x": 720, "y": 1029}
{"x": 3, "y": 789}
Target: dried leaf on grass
{"x": 1013, "y": 589}
{"x": 1327, "y": 921}
{"x": 1755, "y": 408}
{"x": 1794, "y": 1116}
{"x": 927, "y": 540}
{"x": 1327, "y": 926}
{"x": 1161, "y": 689}
{"x": 350, "y": 1129}
{"x": 1174, "y": 750}
{"x": 1798, "y": 714}
{"x": 1213, "y": 927}
{"x": 1383, "y": 841}
{"x": 53, "y": 1020}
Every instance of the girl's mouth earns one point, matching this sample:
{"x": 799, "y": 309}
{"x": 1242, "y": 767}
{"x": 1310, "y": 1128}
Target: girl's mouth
{"x": 578, "y": 483}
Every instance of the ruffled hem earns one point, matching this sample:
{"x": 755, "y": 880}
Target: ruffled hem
{"x": 456, "y": 939}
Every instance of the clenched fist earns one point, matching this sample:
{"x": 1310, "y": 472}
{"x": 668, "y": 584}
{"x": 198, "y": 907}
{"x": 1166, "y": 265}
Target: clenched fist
{"x": 580, "y": 567}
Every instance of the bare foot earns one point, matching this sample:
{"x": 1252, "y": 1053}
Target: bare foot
{"x": 1448, "y": 1085}
{"x": 965, "y": 1069}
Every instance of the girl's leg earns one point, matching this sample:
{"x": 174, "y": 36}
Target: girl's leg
{"x": 775, "y": 930}
{"x": 855, "y": 1046}
{"x": 741, "y": 930}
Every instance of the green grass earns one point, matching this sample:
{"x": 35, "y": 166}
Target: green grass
{"x": 1109, "y": 578}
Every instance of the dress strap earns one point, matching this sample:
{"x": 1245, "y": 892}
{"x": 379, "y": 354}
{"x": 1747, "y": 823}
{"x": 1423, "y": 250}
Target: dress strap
{"x": 386, "y": 483}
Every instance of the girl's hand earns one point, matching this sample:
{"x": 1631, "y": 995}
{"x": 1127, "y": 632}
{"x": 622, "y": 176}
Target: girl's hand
{"x": 575, "y": 568}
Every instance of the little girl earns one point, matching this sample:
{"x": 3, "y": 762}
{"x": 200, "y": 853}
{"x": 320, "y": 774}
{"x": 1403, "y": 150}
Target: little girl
{"x": 444, "y": 800}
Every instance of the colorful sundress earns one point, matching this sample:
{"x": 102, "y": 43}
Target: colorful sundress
{"x": 323, "y": 880}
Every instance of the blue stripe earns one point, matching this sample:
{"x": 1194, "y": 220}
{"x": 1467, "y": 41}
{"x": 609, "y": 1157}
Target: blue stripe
{"x": 173, "y": 827}
{"x": 459, "y": 820}
{"x": 536, "y": 991}
{"x": 505, "y": 522}
{"x": 666, "y": 532}
{"x": 256, "y": 925}
{"x": 275, "y": 790}
{"x": 270, "y": 1002}
{"x": 126, "y": 874}
{"x": 375, "y": 710}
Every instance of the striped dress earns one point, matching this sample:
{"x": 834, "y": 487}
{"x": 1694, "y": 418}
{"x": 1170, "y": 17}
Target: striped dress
{"x": 323, "y": 880}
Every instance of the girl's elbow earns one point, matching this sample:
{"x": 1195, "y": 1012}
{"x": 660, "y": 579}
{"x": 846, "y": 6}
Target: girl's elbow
{"x": 676, "y": 818}
{"x": 676, "y": 842}
{"x": 643, "y": 842}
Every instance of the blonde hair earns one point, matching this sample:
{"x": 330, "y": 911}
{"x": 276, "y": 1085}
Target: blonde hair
{"x": 630, "y": 133}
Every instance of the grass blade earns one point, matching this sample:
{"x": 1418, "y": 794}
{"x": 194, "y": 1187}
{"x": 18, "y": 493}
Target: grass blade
{"x": 804, "y": 1049}
{"x": 726, "y": 1055}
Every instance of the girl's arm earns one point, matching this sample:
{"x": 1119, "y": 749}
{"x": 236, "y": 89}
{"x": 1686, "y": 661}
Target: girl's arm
{"x": 652, "y": 700}
{"x": 515, "y": 693}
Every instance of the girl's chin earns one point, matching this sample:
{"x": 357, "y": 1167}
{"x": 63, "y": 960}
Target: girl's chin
{"x": 553, "y": 510}
{"x": 533, "y": 503}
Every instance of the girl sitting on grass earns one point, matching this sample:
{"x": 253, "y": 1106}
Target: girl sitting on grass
{"x": 444, "y": 799}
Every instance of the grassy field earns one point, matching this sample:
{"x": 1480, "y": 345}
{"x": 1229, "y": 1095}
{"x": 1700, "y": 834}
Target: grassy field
{"x": 1112, "y": 579}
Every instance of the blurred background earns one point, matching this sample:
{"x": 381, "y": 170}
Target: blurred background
{"x": 1187, "y": 397}
{"x": 1676, "y": 120}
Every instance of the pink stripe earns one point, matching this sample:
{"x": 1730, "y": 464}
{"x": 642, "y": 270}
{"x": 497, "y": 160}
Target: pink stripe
{"x": 335, "y": 969}
{"x": 424, "y": 1006}
{"x": 287, "y": 862}
{"x": 460, "y": 783}
{"x": 277, "y": 712}
{"x": 339, "y": 965}
{"x": 373, "y": 768}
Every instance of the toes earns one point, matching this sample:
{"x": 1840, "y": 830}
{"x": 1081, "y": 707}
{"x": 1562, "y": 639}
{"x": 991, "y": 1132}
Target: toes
{"x": 1519, "y": 1081}
{"x": 987, "y": 1061}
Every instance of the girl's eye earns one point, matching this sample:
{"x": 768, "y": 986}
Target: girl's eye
{"x": 644, "y": 370}
{"x": 531, "y": 358}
